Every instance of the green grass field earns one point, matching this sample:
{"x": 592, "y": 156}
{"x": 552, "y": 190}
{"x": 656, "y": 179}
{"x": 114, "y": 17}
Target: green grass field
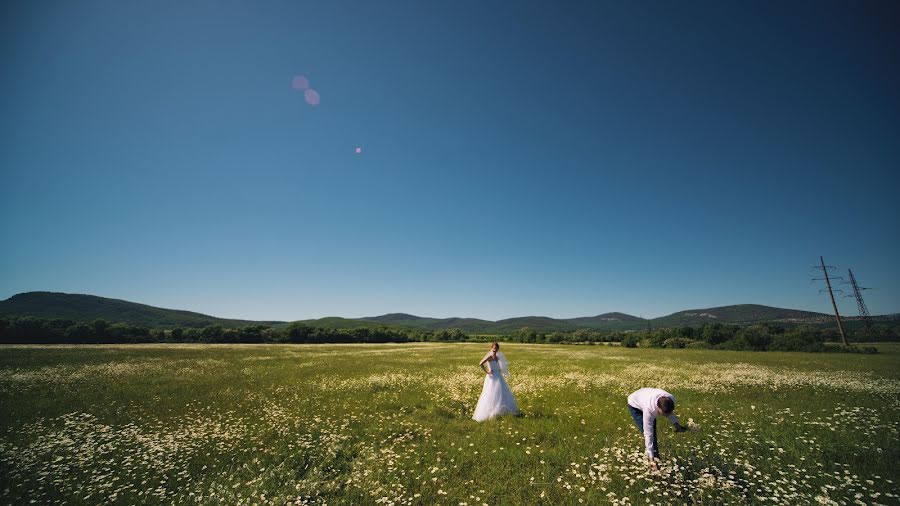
{"x": 390, "y": 424}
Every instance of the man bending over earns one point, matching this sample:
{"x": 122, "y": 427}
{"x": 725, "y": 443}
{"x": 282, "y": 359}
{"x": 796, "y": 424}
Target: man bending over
{"x": 645, "y": 405}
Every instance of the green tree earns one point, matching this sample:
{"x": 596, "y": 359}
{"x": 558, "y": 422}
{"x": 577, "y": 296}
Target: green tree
{"x": 298, "y": 332}
{"x": 211, "y": 334}
{"x": 177, "y": 335}
{"x": 158, "y": 336}
{"x": 526, "y": 335}
{"x": 101, "y": 329}
{"x": 79, "y": 333}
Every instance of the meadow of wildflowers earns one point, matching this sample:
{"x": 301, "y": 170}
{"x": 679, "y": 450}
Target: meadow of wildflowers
{"x": 390, "y": 424}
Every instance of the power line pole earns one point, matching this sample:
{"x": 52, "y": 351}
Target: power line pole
{"x": 824, "y": 268}
{"x": 863, "y": 310}
{"x": 641, "y": 316}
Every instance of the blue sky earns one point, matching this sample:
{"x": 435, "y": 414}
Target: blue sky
{"x": 517, "y": 158}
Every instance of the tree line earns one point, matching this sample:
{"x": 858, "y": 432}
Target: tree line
{"x": 760, "y": 337}
{"x": 39, "y": 330}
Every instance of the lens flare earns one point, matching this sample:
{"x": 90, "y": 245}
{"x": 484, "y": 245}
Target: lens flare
{"x": 300, "y": 83}
{"x": 311, "y": 96}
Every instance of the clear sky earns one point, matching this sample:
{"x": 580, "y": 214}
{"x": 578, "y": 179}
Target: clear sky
{"x": 516, "y": 158}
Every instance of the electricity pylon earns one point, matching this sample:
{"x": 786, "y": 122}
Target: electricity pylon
{"x": 824, "y": 268}
{"x": 863, "y": 310}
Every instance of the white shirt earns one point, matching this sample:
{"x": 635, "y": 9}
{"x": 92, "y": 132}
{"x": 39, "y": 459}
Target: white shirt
{"x": 645, "y": 400}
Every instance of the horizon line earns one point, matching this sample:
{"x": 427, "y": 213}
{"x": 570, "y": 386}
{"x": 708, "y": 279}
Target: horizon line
{"x": 642, "y": 318}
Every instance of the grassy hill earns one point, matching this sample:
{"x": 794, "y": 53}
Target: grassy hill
{"x": 469, "y": 325}
{"x": 536, "y": 323}
{"x": 472, "y": 325}
{"x": 336, "y": 322}
{"x": 477, "y": 326}
{"x": 609, "y": 321}
{"x": 741, "y": 313}
{"x": 90, "y": 307}
{"x": 399, "y": 318}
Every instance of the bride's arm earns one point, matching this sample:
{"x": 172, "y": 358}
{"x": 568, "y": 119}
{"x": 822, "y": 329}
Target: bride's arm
{"x": 484, "y": 361}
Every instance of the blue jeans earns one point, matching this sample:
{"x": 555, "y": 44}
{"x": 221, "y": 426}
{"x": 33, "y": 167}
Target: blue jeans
{"x": 638, "y": 416}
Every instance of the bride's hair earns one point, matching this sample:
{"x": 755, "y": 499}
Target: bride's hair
{"x": 495, "y": 343}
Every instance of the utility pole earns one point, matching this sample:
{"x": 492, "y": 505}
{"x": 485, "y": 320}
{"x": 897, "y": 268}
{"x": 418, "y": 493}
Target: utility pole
{"x": 649, "y": 326}
{"x": 837, "y": 315}
{"x": 863, "y": 310}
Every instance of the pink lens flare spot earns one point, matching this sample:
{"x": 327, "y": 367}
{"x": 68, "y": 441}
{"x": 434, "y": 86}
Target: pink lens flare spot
{"x": 358, "y": 150}
{"x": 311, "y": 96}
{"x": 300, "y": 83}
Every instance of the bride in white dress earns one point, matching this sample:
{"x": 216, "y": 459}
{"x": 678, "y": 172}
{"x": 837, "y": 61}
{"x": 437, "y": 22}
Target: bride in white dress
{"x": 496, "y": 397}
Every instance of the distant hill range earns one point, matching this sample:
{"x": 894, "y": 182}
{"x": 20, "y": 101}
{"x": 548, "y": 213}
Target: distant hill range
{"x": 89, "y": 307}
{"x": 609, "y": 321}
{"x": 741, "y": 313}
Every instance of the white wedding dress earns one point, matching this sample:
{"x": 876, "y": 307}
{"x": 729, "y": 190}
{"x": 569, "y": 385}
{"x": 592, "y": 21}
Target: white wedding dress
{"x": 496, "y": 397}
